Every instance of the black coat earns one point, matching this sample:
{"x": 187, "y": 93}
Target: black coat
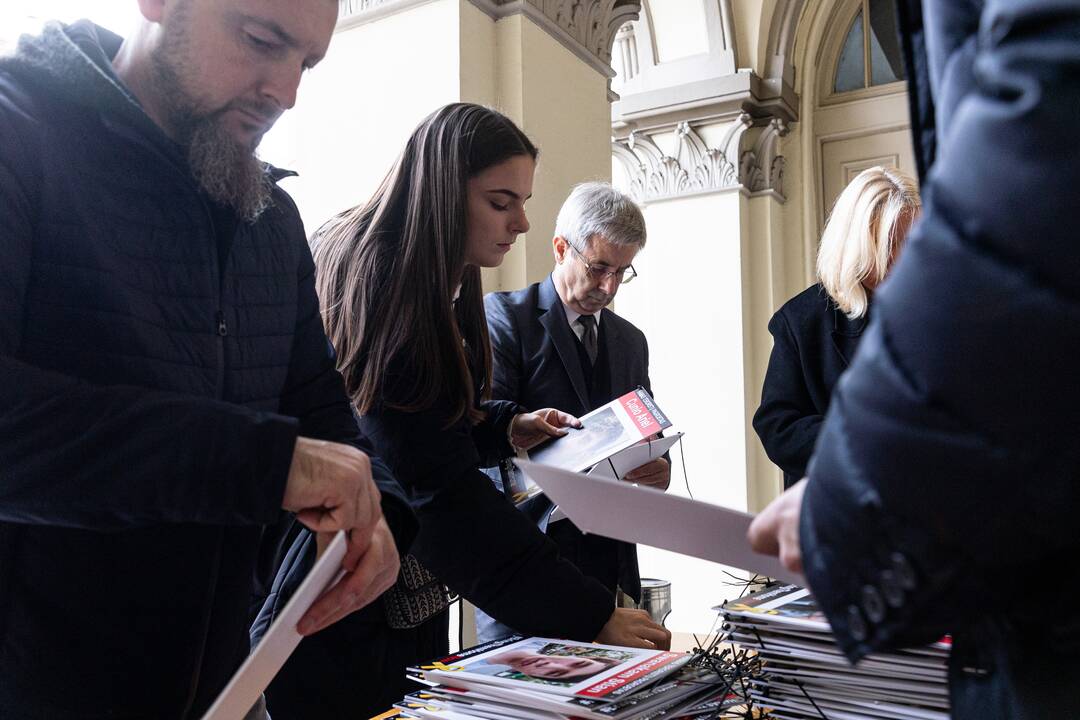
{"x": 813, "y": 342}
{"x": 471, "y": 538}
{"x": 537, "y": 365}
{"x": 149, "y": 401}
{"x": 947, "y": 469}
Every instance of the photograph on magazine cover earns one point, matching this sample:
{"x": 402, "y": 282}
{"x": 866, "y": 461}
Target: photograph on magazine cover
{"x": 581, "y": 446}
{"x": 551, "y": 663}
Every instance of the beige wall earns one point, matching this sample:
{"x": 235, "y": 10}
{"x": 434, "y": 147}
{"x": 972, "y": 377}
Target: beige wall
{"x": 356, "y": 109}
{"x": 561, "y": 103}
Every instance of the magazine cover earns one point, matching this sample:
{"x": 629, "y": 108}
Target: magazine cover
{"x": 561, "y": 667}
{"x": 784, "y": 605}
{"x": 794, "y": 607}
{"x": 683, "y": 686}
{"x": 605, "y": 431}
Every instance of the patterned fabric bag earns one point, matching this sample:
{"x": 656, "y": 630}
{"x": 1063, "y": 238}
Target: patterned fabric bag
{"x": 416, "y": 596}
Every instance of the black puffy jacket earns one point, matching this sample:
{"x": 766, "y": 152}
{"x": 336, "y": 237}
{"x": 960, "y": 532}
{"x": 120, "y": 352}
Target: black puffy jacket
{"x": 947, "y": 474}
{"x": 149, "y": 399}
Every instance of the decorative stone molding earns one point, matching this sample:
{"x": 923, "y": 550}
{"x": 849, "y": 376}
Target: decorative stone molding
{"x": 743, "y": 158}
{"x": 715, "y": 86}
{"x": 348, "y": 8}
{"x": 626, "y": 53}
{"x": 585, "y": 27}
{"x": 762, "y": 168}
{"x": 360, "y": 12}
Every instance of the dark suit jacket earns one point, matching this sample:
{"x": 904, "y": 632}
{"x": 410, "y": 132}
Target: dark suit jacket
{"x": 536, "y": 365}
{"x": 948, "y": 463}
{"x": 813, "y": 342}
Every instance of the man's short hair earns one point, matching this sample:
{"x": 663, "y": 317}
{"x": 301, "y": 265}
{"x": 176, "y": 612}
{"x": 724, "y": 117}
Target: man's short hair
{"x": 598, "y": 209}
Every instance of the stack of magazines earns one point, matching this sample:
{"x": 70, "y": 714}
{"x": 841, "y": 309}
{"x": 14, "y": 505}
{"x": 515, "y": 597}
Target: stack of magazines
{"x": 804, "y": 674}
{"x": 544, "y": 679}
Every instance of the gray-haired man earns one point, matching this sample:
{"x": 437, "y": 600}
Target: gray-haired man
{"x": 556, "y": 345}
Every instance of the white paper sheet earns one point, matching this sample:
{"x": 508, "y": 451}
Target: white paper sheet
{"x": 628, "y": 512}
{"x": 280, "y": 640}
{"x": 622, "y": 462}
{"x": 633, "y": 457}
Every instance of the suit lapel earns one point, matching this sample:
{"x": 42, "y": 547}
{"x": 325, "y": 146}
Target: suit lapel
{"x": 616, "y": 359}
{"x": 553, "y": 319}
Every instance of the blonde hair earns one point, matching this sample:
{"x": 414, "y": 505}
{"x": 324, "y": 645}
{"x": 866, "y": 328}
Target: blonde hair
{"x": 863, "y": 234}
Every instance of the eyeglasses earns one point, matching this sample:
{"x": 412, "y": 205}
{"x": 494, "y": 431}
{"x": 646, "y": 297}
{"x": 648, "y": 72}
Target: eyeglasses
{"x": 602, "y": 272}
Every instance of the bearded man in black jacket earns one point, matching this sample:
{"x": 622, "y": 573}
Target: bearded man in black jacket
{"x": 168, "y": 390}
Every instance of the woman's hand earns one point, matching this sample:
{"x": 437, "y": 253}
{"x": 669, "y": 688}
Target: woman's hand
{"x": 528, "y": 430}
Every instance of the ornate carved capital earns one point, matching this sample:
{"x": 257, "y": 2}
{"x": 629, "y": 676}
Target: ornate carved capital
{"x": 590, "y": 25}
{"x": 586, "y": 27}
{"x": 762, "y": 168}
{"x": 745, "y": 157}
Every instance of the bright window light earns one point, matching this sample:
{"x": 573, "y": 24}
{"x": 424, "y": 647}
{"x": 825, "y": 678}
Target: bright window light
{"x": 27, "y": 16}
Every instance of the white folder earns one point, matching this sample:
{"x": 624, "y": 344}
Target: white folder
{"x": 260, "y": 667}
{"x": 632, "y": 513}
{"x": 633, "y": 457}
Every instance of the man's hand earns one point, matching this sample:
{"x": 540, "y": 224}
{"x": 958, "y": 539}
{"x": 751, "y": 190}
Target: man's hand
{"x": 371, "y": 566}
{"x": 528, "y": 430}
{"x": 634, "y": 628}
{"x": 330, "y": 488}
{"x": 775, "y": 531}
{"x": 656, "y": 473}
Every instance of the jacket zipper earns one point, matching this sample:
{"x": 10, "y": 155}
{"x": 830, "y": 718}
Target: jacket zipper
{"x": 222, "y": 331}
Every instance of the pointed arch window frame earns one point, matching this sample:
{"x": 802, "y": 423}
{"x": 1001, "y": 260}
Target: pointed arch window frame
{"x": 844, "y": 17}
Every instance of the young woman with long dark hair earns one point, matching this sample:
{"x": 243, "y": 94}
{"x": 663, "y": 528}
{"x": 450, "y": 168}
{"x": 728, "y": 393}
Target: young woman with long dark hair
{"x": 399, "y": 282}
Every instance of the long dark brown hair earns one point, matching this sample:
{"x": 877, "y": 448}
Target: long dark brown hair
{"x": 386, "y": 270}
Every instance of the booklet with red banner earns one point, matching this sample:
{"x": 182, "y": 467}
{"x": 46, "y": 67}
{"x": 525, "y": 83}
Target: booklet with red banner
{"x": 632, "y": 421}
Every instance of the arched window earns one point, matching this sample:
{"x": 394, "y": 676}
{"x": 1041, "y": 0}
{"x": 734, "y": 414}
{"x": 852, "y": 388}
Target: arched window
{"x": 871, "y": 53}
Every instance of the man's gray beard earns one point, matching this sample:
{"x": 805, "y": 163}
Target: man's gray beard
{"x": 228, "y": 171}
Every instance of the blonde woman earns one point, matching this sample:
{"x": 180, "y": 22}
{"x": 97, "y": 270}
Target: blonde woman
{"x": 816, "y": 332}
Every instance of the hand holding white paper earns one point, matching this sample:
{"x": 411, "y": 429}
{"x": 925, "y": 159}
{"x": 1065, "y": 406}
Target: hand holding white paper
{"x": 631, "y": 513}
{"x": 280, "y": 640}
{"x": 633, "y": 457}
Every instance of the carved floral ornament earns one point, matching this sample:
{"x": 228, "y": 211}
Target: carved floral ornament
{"x": 592, "y": 24}
{"x": 695, "y": 167}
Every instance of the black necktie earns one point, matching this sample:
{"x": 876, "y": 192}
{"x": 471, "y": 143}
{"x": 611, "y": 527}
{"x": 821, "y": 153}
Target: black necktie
{"x": 588, "y": 337}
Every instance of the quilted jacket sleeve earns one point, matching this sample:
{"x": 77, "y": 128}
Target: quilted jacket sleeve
{"x": 80, "y": 455}
{"x": 950, "y": 448}
{"x": 315, "y": 392}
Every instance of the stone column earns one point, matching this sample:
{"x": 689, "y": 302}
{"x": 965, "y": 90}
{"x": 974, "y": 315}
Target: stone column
{"x": 714, "y": 269}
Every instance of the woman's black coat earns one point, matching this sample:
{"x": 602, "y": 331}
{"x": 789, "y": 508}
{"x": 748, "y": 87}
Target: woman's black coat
{"x": 470, "y": 537}
{"x": 813, "y": 342}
